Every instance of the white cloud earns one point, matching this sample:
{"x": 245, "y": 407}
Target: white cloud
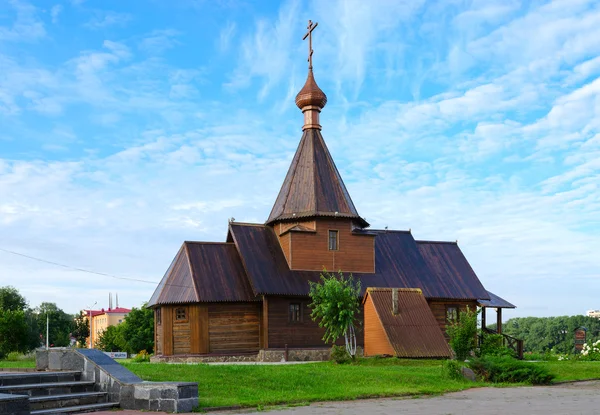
{"x": 27, "y": 25}
{"x": 55, "y": 11}
{"x": 106, "y": 18}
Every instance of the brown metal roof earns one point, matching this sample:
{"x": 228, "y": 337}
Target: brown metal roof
{"x": 448, "y": 263}
{"x": 414, "y": 331}
{"x": 313, "y": 186}
{"x": 204, "y": 272}
{"x": 495, "y": 302}
{"x": 398, "y": 263}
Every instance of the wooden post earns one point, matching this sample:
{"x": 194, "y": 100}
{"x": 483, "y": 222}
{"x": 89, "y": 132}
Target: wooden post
{"x": 483, "y": 322}
{"x": 499, "y": 320}
{"x": 265, "y": 325}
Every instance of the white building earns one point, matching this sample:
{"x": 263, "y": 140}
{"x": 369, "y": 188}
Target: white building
{"x": 593, "y": 313}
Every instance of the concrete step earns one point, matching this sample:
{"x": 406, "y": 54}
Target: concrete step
{"x": 44, "y": 389}
{"x": 66, "y": 400}
{"x": 76, "y": 409}
{"x": 8, "y": 379}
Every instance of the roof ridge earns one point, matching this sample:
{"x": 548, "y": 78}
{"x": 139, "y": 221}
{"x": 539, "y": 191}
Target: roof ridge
{"x": 207, "y": 243}
{"x": 436, "y": 242}
{"x": 260, "y": 225}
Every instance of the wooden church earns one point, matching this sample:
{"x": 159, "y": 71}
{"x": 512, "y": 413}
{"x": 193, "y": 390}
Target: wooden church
{"x": 248, "y": 296}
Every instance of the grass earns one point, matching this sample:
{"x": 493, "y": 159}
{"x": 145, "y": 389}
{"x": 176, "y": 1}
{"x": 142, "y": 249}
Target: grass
{"x": 254, "y": 385}
{"x": 18, "y": 364}
{"x": 572, "y": 370}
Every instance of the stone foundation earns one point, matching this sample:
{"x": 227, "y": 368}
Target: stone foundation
{"x": 267, "y": 355}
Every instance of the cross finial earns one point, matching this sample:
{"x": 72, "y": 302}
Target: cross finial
{"x": 311, "y": 26}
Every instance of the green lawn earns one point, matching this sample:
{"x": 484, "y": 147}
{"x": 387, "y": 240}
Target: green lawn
{"x": 17, "y": 364}
{"x": 254, "y": 385}
{"x": 572, "y": 370}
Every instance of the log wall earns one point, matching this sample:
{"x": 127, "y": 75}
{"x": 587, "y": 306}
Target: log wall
{"x": 310, "y": 250}
{"x": 438, "y": 308}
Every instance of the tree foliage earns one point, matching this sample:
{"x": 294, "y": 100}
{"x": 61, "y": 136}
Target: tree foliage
{"x": 14, "y": 333}
{"x": 133, "y": 335}
{"x": 544, "y": 334}
{"x": 81, "y": 329}
{"x": 138, "y": 329}
{"x": 61, "y": 324}
{"x": 11, "y": 299}
{"x": 335, "y": 305}
{"x": 463, "y": 333}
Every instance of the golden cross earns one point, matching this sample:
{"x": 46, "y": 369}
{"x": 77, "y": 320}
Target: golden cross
{"x": 308, "y": 35}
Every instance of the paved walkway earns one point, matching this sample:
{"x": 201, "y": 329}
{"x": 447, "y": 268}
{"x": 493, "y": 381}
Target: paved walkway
{"x": 571, "y": 399}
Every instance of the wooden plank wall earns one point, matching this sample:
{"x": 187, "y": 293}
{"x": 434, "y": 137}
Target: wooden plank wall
{"x": 307, "y": 333}
{"x": 376, "y": 341}
{"x": 158, "y": 336}
{"x": 310, "y": 250}
{"x": 167, "y": 318}
{"x": 233, "y": 327}
{"x": 438, "y": 308}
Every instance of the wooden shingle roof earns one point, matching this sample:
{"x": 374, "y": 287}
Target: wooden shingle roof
{"x": 313, "y": 186}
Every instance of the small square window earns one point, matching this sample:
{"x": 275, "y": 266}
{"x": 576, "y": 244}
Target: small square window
{"x": 158, "y": 316}
{"x": 295, "y": 313}
{"x": 333, "y": 240}
{"x": 452, "y": 313}
{"x": 181, "y": 313}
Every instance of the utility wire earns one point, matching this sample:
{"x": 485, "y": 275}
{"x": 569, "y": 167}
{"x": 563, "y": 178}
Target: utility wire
{"x": 90, "y": 272}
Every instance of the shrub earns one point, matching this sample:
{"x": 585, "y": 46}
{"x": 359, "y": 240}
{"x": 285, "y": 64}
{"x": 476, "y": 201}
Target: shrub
{"x": 590, "y": 351}
{"x": 452, "y": 369}
{"x": 463, "y": 333}
{"x": 504, "y": 369}
{"x": 142, "y": 357}
{"x": 493, "y": 345}
{"x": 340, "y": 355}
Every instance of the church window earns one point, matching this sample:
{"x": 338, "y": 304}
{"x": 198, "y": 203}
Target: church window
{"x": 333, "y": 240}
{"x": 158, "y": 317}
{"x": 452, "y": 313}
{"x": 295, "y": 316}
{"x": 181, "y": 314}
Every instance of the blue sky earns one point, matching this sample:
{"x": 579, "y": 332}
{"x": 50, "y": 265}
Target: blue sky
{"x": 128, "y": 127}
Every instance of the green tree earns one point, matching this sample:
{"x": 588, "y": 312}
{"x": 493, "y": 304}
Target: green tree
{"x": 463, "y": 333}
{"x": 336, "y": 305}
{"x": 61, "y": 324}
{"x": 81, "y": 329}
{"x": 13, "y": 332}
{"x": 11, "y": 299}
{"x": 112, "y": 340}
{"x": 138, "y": 329}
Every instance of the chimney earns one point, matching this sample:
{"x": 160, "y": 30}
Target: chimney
{"x": 117, "y": 299}
{"x": 110, "y": 301}
{"x": 394, "y": 301}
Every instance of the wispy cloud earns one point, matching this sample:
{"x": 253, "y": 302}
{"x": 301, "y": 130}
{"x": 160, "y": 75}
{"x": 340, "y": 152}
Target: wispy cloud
{"x": 106, "y": 18}
{"x": 55, "y": 11}
{"x": 26, "y": 27}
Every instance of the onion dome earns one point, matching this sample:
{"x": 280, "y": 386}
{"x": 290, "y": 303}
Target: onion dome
{"x": 311, "y": 94}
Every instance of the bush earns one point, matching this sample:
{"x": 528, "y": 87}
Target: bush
{"x": 493, "y": 345}
{"x": 452, "y": 369}
{"x": 590, "y": 351}
{"x": 463, "y": 334}
{"x": 142, "y": 357}
{"x": 340, "y": 355}
{"x": 504, "y": 369}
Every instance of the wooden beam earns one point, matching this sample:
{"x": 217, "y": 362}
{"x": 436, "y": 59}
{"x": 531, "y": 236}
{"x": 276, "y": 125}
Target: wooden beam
{"x": 265, "y": 323}
{"x": 483, "y": 322}
{"x": 499, "y": 320}
{"x": 167, "y": 322}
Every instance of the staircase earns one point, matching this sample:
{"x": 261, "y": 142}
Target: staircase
{"x": 56, "y": 392}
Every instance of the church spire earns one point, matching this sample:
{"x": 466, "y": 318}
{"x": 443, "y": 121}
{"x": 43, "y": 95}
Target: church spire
{"x": 311, "y": 99}
{"x": 313, "y": 186}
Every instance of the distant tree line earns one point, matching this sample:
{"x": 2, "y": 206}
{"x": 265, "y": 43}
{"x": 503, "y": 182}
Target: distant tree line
{"x": 23, "y": 329}
{"x": 545, "y": 334}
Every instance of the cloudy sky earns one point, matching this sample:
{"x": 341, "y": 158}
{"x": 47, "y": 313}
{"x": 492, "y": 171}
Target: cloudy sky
{"x": 129, "y": 127}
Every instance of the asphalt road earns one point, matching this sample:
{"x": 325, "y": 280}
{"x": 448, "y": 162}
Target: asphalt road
{"x": 571, "y": 399}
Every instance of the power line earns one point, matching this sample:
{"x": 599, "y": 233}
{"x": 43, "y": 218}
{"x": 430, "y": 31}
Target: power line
{"x": 89, "y": 271}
